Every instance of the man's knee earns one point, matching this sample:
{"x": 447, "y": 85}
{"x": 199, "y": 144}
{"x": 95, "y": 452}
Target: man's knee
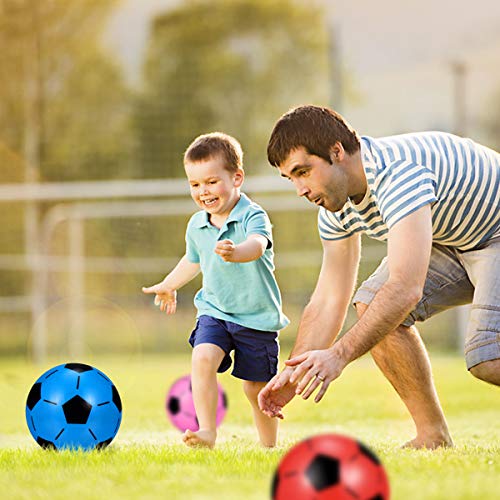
{"x": 401, "y": 329}
{"x": 383, "y": 351}
{"x": 488, "y": 371}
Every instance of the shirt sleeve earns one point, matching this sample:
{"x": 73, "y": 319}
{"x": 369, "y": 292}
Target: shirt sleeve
{"x": 258, "y": 222}
{"x": 329, "y": 226}
{"x": 406, "y": 188}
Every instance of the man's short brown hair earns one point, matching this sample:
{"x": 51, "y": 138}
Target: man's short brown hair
{"x": 216, "y": 144}
{"x": 314, "y": 128}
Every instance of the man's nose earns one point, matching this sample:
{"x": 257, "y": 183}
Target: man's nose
{"x": 302, "y": 189}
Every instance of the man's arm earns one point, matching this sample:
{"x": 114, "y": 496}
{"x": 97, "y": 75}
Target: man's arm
{"x": 323, "y": 317}
{"x": 409, "y": 248}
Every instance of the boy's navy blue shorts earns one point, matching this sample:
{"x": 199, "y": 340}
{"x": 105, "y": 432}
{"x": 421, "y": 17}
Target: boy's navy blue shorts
{"x": 255, "y": 351}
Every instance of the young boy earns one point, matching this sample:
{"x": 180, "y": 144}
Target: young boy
{"x": 239, "y": 304}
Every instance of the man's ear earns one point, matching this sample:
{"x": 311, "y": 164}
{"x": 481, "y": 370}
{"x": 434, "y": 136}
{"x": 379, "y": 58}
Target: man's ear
{"x": 337, "y": 152}
{"x": 239, "y": 177}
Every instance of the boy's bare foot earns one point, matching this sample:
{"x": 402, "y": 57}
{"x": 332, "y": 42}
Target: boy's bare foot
{"x": 199, "y": 439}
{"x": 268, "y": 445}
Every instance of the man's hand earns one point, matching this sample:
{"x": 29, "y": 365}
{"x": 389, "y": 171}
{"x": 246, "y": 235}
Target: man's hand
{"x": 226, "y": 249}
{"x": 315, "y": 368}
{"x": 166, "y": 297}
{"x": 276, "y": 394}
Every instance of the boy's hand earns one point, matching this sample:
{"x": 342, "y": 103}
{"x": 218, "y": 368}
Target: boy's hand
{"x": 165, "y": 297}
{"x": 277, "y": 393}
{"x": 226, "y": 249}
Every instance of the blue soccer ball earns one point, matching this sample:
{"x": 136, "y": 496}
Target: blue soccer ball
{"x": 73, "y": 406}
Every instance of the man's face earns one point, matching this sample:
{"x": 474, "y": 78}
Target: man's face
{"x": 322, "y": 183}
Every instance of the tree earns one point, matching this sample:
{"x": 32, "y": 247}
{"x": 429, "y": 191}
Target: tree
{"x": 52, "y": 47}
{"x": 63, "y": 107}
{"x": 233, "y": 65}
{"x": 88, "y": 133}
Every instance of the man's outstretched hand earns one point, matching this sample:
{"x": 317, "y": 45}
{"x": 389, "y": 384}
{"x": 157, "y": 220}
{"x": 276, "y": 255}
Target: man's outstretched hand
{"x": 315, "y": 369}
{"x": 276, "y": 394}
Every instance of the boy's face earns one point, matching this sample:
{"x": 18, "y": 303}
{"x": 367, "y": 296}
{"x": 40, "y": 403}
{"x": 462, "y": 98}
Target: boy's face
{"x": 213, "y": 188}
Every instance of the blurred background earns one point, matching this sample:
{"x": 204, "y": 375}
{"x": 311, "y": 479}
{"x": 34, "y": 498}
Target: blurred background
{"x": 99, "y": 99}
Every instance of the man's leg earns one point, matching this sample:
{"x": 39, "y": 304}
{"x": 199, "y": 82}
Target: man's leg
{"x": 482, "y": 343}
{"x": 403, "y": 359}
{"x": 489, "y": 371}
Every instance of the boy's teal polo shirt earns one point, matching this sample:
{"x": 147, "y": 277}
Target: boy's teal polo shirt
{"x": 244, "y": 293}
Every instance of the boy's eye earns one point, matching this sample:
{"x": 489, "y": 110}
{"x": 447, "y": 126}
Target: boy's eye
{"x": 213, "y": 182}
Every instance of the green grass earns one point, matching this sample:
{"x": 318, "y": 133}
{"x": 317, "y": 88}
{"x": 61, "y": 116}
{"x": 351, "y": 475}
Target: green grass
{"x": 147, "y": 460}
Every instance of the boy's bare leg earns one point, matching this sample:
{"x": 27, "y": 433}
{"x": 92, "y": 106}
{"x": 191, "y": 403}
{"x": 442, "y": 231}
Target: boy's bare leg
{"x": 267, "y": 427}
{"x": 206, "y": 359}
{"x": 404, "y": 361}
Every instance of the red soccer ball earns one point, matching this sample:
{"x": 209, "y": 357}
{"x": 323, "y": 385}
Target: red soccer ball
{"x": 330, "y": 467}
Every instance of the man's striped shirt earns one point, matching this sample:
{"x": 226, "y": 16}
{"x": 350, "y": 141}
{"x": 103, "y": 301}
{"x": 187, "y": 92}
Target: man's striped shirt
{"x": 458, "y": 177}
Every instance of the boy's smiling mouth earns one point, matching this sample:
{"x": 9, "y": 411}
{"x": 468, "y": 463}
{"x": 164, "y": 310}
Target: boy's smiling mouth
{"x": 209, "y": 202}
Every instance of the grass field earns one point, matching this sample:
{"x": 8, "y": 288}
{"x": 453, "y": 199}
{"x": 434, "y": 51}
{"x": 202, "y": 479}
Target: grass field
{"x": 147, "y": 460}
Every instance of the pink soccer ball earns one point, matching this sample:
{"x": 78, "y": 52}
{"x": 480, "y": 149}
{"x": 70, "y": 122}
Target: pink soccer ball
{"x": 180, "y": 406}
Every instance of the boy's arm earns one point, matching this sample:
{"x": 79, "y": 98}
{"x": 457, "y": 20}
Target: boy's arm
{"x": 166, "y": 290}
{"x": 251, "y": 249}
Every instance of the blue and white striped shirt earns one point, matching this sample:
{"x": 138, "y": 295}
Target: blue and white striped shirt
{"x": 458, "y": 177}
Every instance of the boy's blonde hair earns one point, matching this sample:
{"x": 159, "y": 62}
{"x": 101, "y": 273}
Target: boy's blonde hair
{"x": 208, "y": 146}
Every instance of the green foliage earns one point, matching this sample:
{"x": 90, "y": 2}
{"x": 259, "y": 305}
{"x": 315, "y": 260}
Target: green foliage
{"x": 230, "y": 65}
{"x": 62, "y": 99}
{"x": 58, "y": 85}
{"x": 88, "y": 133}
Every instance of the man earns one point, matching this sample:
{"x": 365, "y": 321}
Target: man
{"x": 435, "y": 198}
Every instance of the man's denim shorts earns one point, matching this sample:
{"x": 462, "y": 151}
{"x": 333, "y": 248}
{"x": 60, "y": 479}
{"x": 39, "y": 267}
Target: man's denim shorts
{"x": 456, "y": 278}
{"x": 255, "y": 351}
